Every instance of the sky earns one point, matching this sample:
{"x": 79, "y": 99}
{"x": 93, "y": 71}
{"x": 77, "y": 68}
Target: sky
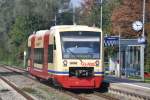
{"x": 76, "y": 3}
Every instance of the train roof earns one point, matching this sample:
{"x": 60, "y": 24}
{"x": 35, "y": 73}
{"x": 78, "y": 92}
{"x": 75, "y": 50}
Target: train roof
{"x": 41, "y": 32}
{"x": 74, "y": 28}
{"x": 61, "y": 28}
{"x": 31, "y": 36}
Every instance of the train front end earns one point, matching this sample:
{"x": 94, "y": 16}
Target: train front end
{"x": 81, "y": 59}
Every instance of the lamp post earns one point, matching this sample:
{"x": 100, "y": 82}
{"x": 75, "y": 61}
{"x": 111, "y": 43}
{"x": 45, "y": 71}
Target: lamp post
{"x": 73, "y": 12}
{"x": 55, "y": 19}
{"x": 100, "y": 2}
{"x": 119, "y": 67}
{"x": 143, "y": 46}
{"x": 101, "y": 14}
{"x": 143, "y": 32}
{"x": 73, "y": 6}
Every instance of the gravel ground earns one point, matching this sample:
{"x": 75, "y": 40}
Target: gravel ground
{"x": 8, "y": 93}
{"x": 37, "y": 90}
{"x": 93, "y": 97}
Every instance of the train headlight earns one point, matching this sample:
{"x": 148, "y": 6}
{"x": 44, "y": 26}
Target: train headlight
{"x": 97, "y": 63}
{"x": 65, "y": 62}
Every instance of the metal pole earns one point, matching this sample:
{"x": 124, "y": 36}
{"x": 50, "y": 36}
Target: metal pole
{"x": 142, "y": 47}
{"x": 55, "y": 20}
{"x": 24, "y": 61}
{"x": 119, "y": 70}
{"x": 74, "y": 16}
{"x": 101, "y": 14}
{"x": 143, "y": 33}
{"x": 142, "y": 62}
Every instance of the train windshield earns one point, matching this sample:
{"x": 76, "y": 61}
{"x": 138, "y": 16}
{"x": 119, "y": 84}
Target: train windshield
{"x": 80, "y": 45}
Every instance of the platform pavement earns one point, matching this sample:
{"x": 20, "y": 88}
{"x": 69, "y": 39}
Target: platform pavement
{"x": 130, "y": 86}
{"x": 127, "y": 81}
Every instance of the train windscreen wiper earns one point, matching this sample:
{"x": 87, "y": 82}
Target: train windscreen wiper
{"x": 75, "y": 55}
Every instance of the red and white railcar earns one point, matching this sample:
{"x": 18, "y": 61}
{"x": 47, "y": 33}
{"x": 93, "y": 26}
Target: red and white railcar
{"x": 69, "y": 55}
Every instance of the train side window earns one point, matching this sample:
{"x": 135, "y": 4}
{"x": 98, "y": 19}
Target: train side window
{"x": 38, "y": 55}
{"x": 41, "y": 59}
{"x": 50, "y": 53}
{"x": 54, "y": 44}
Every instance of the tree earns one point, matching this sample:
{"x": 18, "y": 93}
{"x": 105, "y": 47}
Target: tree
{"x": 65, "y": 18}
{"x": 19, "y": 18}
{"x": 128, "y": 12}
{"x": 92, "y": 10}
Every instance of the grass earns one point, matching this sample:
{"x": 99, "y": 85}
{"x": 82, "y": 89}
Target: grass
{"x": 134, "y": 77}
{"x": 11, "y": 63}
{"x": 147, "y": 80}
{"x": 29, "y": 90}
{"x": 44, "y": 93}
{"x": 54, "y": 94}
{"x": 35, "y": 92}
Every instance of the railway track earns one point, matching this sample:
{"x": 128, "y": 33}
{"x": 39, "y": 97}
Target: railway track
{"x": 20, "y": 71}
{"x": 105, "y": 96}
{"x": 25, "y": 95}
{"x": 72, "y": 94}
{"x": 128, "y": 94}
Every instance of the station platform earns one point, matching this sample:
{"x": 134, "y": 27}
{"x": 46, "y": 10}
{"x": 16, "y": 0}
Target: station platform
{"x": 129, "y": 86}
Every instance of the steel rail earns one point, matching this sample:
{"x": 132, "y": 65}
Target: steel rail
{"x": 60, "y": 90}
{"x": 76, "y": 96}
{"x": 129, "y": 93}
{"x": 17, "y": 89}
{"x": 81, "y": 97}
{"x": 105, "y": 96}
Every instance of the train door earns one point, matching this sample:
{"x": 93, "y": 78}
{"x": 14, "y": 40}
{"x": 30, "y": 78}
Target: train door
{"x": 32, "y": 52}
{"x": 38, "y": 55}
{"x": 54, "y": 53}
{"x": 46, "y": 43}
{"x": 51, "y": 55}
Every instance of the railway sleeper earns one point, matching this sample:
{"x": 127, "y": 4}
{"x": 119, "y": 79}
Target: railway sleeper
{"x": 128, "y": 95}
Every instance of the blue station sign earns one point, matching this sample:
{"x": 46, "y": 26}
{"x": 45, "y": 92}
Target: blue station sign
{"x": 111, "y": 41}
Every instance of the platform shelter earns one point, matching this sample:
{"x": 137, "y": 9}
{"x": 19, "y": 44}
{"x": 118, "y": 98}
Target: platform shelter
{"x": 129, "y": 57}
